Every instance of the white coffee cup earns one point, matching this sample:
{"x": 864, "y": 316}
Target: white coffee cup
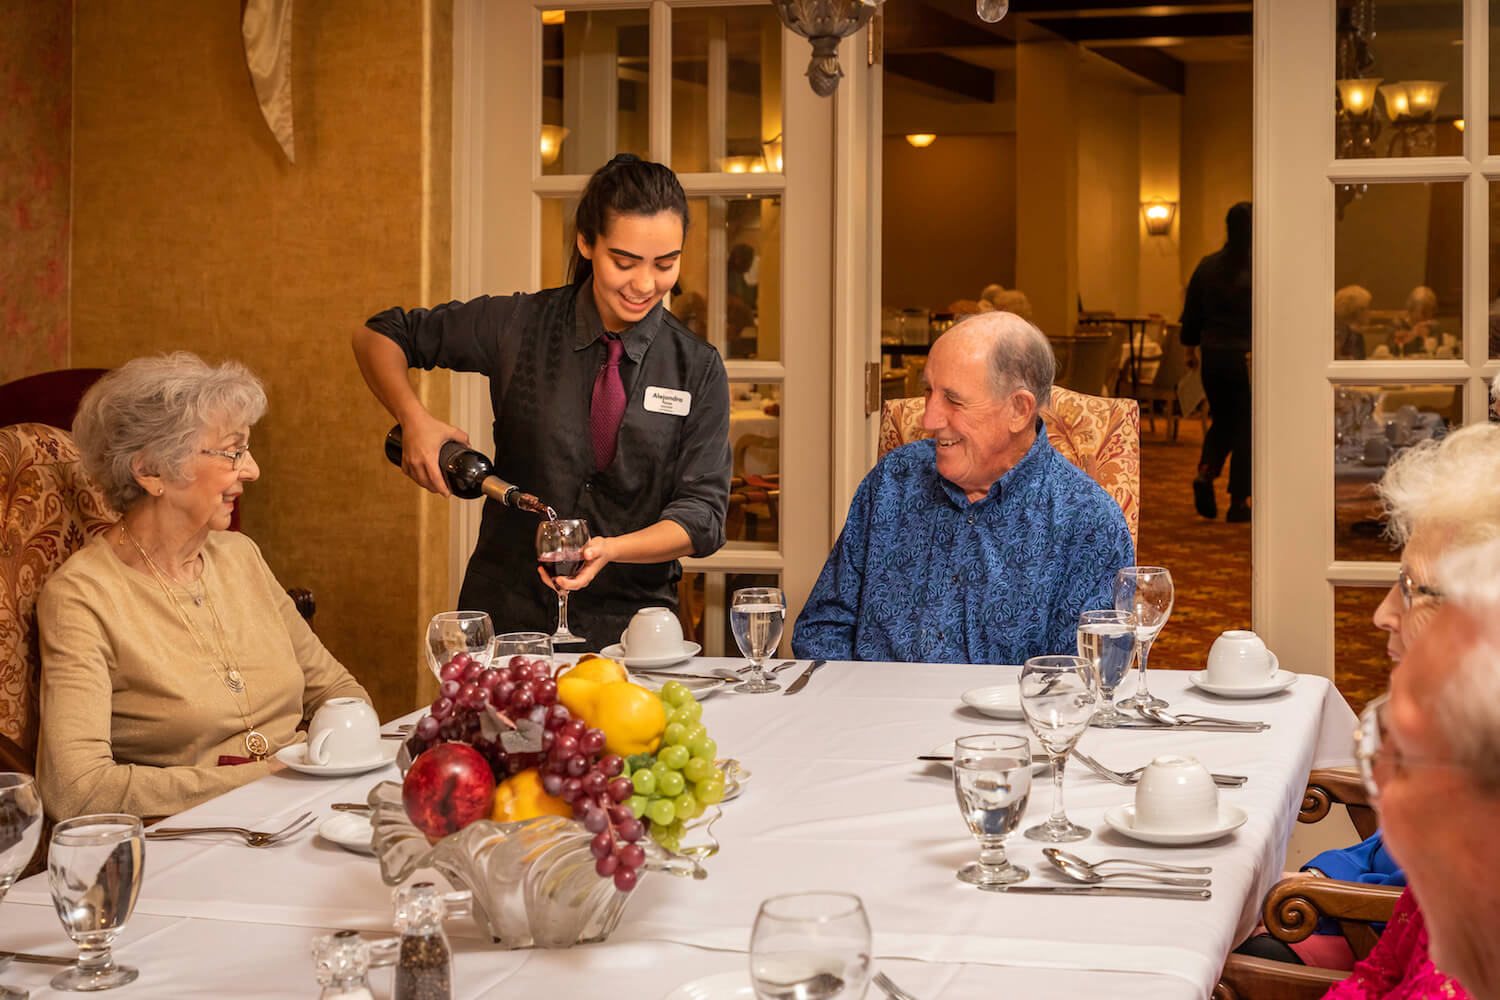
{"x": 343, "y": 731}
{"x": 652, "y": 632}
{"x": 1176, "y": 795}
{"x": 1238, "y": 658}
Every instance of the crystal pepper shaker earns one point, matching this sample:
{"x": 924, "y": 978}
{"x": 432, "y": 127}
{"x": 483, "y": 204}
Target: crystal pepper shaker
{"x": 424, "y": 965}
{"x": 343, "y": 963}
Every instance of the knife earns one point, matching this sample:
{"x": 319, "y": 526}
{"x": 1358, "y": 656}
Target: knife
{"x": 801, "y": 681}
{"x": 24, "y": 956}
{"x": 1101, "y": 890}
{"x": 679, "y": 676}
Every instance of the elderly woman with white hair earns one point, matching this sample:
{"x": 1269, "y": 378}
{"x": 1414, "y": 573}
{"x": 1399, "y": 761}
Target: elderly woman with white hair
{"x": 169, "y": 651}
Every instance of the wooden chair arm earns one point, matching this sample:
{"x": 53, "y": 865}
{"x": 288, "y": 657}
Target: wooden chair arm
{"x": 307, "y": 605}
{"x": 1247, "y": 978}
{"x": 1327, "y": 785}
{"x": 14, "y": 757}
{"x": 1294, "y": 905}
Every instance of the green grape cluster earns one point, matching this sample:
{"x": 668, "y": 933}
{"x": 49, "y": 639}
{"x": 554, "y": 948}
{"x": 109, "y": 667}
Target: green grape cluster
{"x": 680, "y": 780}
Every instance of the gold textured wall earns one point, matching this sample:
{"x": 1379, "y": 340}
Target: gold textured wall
{"x": 192, "y": 231}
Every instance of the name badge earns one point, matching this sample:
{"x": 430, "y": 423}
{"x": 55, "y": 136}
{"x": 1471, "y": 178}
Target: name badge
{"x": 673, "y": 402}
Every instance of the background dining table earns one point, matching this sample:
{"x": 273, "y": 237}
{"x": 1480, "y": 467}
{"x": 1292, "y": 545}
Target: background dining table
{"x": 836, "y": 799}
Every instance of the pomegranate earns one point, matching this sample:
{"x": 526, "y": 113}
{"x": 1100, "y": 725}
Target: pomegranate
{"x": 448, "y": 787}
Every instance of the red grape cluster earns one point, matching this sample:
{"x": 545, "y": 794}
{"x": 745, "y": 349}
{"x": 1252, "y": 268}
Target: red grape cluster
{"x": 571, "y": 761}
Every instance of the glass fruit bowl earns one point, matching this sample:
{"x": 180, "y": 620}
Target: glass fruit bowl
{"x": 533, "y": 881}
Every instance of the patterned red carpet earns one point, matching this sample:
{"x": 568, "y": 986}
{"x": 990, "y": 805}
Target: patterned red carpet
{"x": 1210, "y": 564}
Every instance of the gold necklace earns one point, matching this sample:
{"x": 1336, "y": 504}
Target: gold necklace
{"x": 256, "y": 744}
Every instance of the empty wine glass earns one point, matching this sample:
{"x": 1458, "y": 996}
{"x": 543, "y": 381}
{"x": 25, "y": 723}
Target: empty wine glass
{"x": 453, "y": 632}
{"x": 810, "y": 946}
{"x": 559, "y": 548}
{"x": 533, "y": 645}
{"x": 992, "y": 780}
{"x": 757, "y": 615}
{"x": 1106, "y": 639}
{"x": 1059, "y": 695}
{"x": 1147, "y": 592}
{"x": 94, "y": 866}
{"x": 20, "y": 829}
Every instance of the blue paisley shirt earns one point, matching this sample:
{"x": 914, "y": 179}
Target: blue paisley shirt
{"x": 921, "y": 574}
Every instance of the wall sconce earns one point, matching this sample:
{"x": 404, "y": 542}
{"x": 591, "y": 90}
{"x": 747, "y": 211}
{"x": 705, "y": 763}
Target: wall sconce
{"x": 921, "y": 140}
{"x": 1357, "y": 124}
{"x": 1458, "y": 123}
{"x": 771, "y": 150}
{"x": 1159, "y": 215}
{"x": 742, "y": 165}
{"x": 824, "y": 23}
{"x": 551, "y": 144}
{"x": 1412, "y": 100}
{"x": 1358, "y": 95}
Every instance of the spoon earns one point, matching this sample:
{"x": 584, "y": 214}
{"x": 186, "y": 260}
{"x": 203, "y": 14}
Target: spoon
{"x": 819, "y": 986}
{"x": 1055, "y": 853}
{"x": 1086, "y": 873}
{"x": 1167, "y": 718}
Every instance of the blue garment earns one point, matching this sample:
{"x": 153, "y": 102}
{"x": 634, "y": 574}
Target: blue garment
{"x": 921, "y": 574}
{"x": 1367, "y": 861}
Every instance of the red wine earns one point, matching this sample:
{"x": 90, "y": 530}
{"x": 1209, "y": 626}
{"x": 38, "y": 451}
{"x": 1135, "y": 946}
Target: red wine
{"x": 564, "y": 562}
{"x": 470, "y": 475}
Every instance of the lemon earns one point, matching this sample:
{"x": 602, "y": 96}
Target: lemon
{"x": 596, "y": 669}
{"x": 630, "y": 716}
{"x": 521, "y": 797}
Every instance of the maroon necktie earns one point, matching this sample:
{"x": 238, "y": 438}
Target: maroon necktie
{"x": 607, "y": 407}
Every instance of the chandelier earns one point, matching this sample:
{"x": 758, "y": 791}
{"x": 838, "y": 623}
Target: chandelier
{"x": 825, "y": 23}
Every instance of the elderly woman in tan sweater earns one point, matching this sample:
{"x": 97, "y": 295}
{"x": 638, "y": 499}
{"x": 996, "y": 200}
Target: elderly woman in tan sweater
{"x": 170, "y": 653}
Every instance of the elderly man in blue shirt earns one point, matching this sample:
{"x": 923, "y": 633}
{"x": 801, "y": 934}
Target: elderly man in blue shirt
{"x": 980, "y": 544}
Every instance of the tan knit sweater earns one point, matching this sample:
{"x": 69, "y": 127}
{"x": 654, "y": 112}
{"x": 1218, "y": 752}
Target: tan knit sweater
{"x": 134, "y": 715}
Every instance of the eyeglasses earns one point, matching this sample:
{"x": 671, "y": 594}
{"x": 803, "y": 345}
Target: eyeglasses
{"x": 236, "y": 457}
{"x": 1411, "y": 589}
{"x": 1376, "y": 757}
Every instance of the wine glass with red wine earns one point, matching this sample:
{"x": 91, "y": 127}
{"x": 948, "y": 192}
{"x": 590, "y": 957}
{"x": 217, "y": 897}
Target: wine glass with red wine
{"x": 559, "y": 548}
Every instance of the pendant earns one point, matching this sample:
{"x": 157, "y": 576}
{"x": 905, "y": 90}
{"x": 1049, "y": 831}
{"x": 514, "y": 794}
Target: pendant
{"x": 256, "y": 744}
{"x": 234, "y": 681}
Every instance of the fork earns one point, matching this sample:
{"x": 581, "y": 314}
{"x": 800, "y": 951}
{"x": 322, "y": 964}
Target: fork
{"x": 891, "y": 989}
{"x": 775, "y": 670}
{"x": 254, "y": 838}
{"x": 1133, "y": 776}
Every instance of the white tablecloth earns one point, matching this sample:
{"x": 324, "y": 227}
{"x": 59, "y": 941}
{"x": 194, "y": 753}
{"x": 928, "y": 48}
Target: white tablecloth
{"x": 835, "y": 800}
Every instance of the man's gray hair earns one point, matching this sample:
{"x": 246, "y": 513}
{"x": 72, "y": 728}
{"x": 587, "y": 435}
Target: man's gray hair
{"x": 1449, "y": 488}
{"x": 1021, "y": 356}
{"x": 1468, "y": 706}
{"x": 157, "y": 408}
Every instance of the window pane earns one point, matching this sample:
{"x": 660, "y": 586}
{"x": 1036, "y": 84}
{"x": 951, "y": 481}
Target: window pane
{"x": 1361, "y": 668}
{"x": 708, "y": 596}
{"x": 726, "y": 90}
{"x": 1372, "y": 425}
{"x": 755, "y": 441}
{"x": 1494, "y": 290}
{"x": 1398, "y": 271}
{"x": 734, "y": 251}
{"x": 1400, "y": 78}
{"x": 594, "y": 88}
{"x": 557, "y": 239}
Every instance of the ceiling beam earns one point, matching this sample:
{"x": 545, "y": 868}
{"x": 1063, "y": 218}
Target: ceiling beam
{"x": 1148, "y": 63}
{"x": 1105, "y": 29}
{"x": 912, "y": 25}
{"x": 961, "y": 82}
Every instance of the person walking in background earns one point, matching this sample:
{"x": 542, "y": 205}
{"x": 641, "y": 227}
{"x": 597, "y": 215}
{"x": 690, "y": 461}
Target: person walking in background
{"x": 1216, "y": 317}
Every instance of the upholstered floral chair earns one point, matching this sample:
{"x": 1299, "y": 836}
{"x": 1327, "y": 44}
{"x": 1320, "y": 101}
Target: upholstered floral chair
{"x": 1101, "y": 436}
{"x": 48, "y": 509}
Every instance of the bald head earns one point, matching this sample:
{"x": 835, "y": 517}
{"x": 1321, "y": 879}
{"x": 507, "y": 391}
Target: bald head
{"x": 1016, "y": 354}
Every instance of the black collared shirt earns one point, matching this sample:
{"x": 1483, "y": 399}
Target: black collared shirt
{"x": 542, "y": 352}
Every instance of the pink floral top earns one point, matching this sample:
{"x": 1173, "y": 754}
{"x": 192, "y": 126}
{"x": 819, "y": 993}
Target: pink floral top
{"x": 1399, "y": 967}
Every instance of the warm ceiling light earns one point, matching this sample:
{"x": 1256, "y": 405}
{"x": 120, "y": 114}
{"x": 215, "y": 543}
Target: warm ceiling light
{"x": 921, "y": 140}
{"x": 1424, "y": 95}
{"x": 1397, "y": 102}
{"x": 554, "y": 16}
{"x": 1458, "y": 123}
{"x": 1358, "y": 95}
{"x": 552, "y": 140}
{"x": 742, "y": 165}
{"x": 1159, "y": 214}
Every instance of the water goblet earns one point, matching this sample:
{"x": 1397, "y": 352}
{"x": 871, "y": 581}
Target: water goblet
{"x": 452, "y": 632}
{"x": 533, "y": 645}
{"x": 20, "y": 829}
{"x": 559, "y": 548}
{"x": 1107, "y": 640}
{"x": 992, "y": 781}
{"x": 1059, "y": 696}
{"x": 757, "y": 615}
{"x": 810, "y": 946}
{"x": 1147, "y": 592}
{"x": 94, "y": 867}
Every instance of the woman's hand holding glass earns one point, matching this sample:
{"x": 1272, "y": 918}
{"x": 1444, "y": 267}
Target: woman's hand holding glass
{"x": 561, "y": 549}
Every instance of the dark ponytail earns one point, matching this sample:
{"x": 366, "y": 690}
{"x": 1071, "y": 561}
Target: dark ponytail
{"x": 626, "y": 185}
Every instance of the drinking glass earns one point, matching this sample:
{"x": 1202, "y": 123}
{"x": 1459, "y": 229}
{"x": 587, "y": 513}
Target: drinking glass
{"x": 559, "y": 548}
{"x": 1107, "y": 640}
{"x": 1147, "y": 592}
{"x": 94, "y": 867}
{"x": 1059, "y": 696}
{"x": 992, "y": 780}
{"x": 20, "y": 829}
{"x": 757, "y": 615}
{"x": 536, "y": 645}
{"x": 810, "y": 946}
{"x": 453, "y": 632}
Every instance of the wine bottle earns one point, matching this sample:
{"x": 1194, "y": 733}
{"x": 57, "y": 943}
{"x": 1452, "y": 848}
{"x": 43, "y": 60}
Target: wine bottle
{"x": 470, "y": 475}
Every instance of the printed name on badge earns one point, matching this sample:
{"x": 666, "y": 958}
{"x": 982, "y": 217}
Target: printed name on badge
{"x": 673, "y": 402}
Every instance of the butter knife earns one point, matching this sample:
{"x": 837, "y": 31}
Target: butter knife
{"x": 1101, "y": 890}
{"x": 26, "y": 956}
{"x": 678, "y": 675}
{"x": 801, "y": 681}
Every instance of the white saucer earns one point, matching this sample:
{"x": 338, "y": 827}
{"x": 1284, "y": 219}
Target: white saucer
{"x": 689, "y": 650}
{"x": 1002, "y": 701}
{"x": 700, "y": 688}
{"x": 723, "y": 986}
{"x": 351, "y": 831}
{"x": 295, "y": 757}
{"x": 1122, "y": 819}
{"x": 1279, "y": 681}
